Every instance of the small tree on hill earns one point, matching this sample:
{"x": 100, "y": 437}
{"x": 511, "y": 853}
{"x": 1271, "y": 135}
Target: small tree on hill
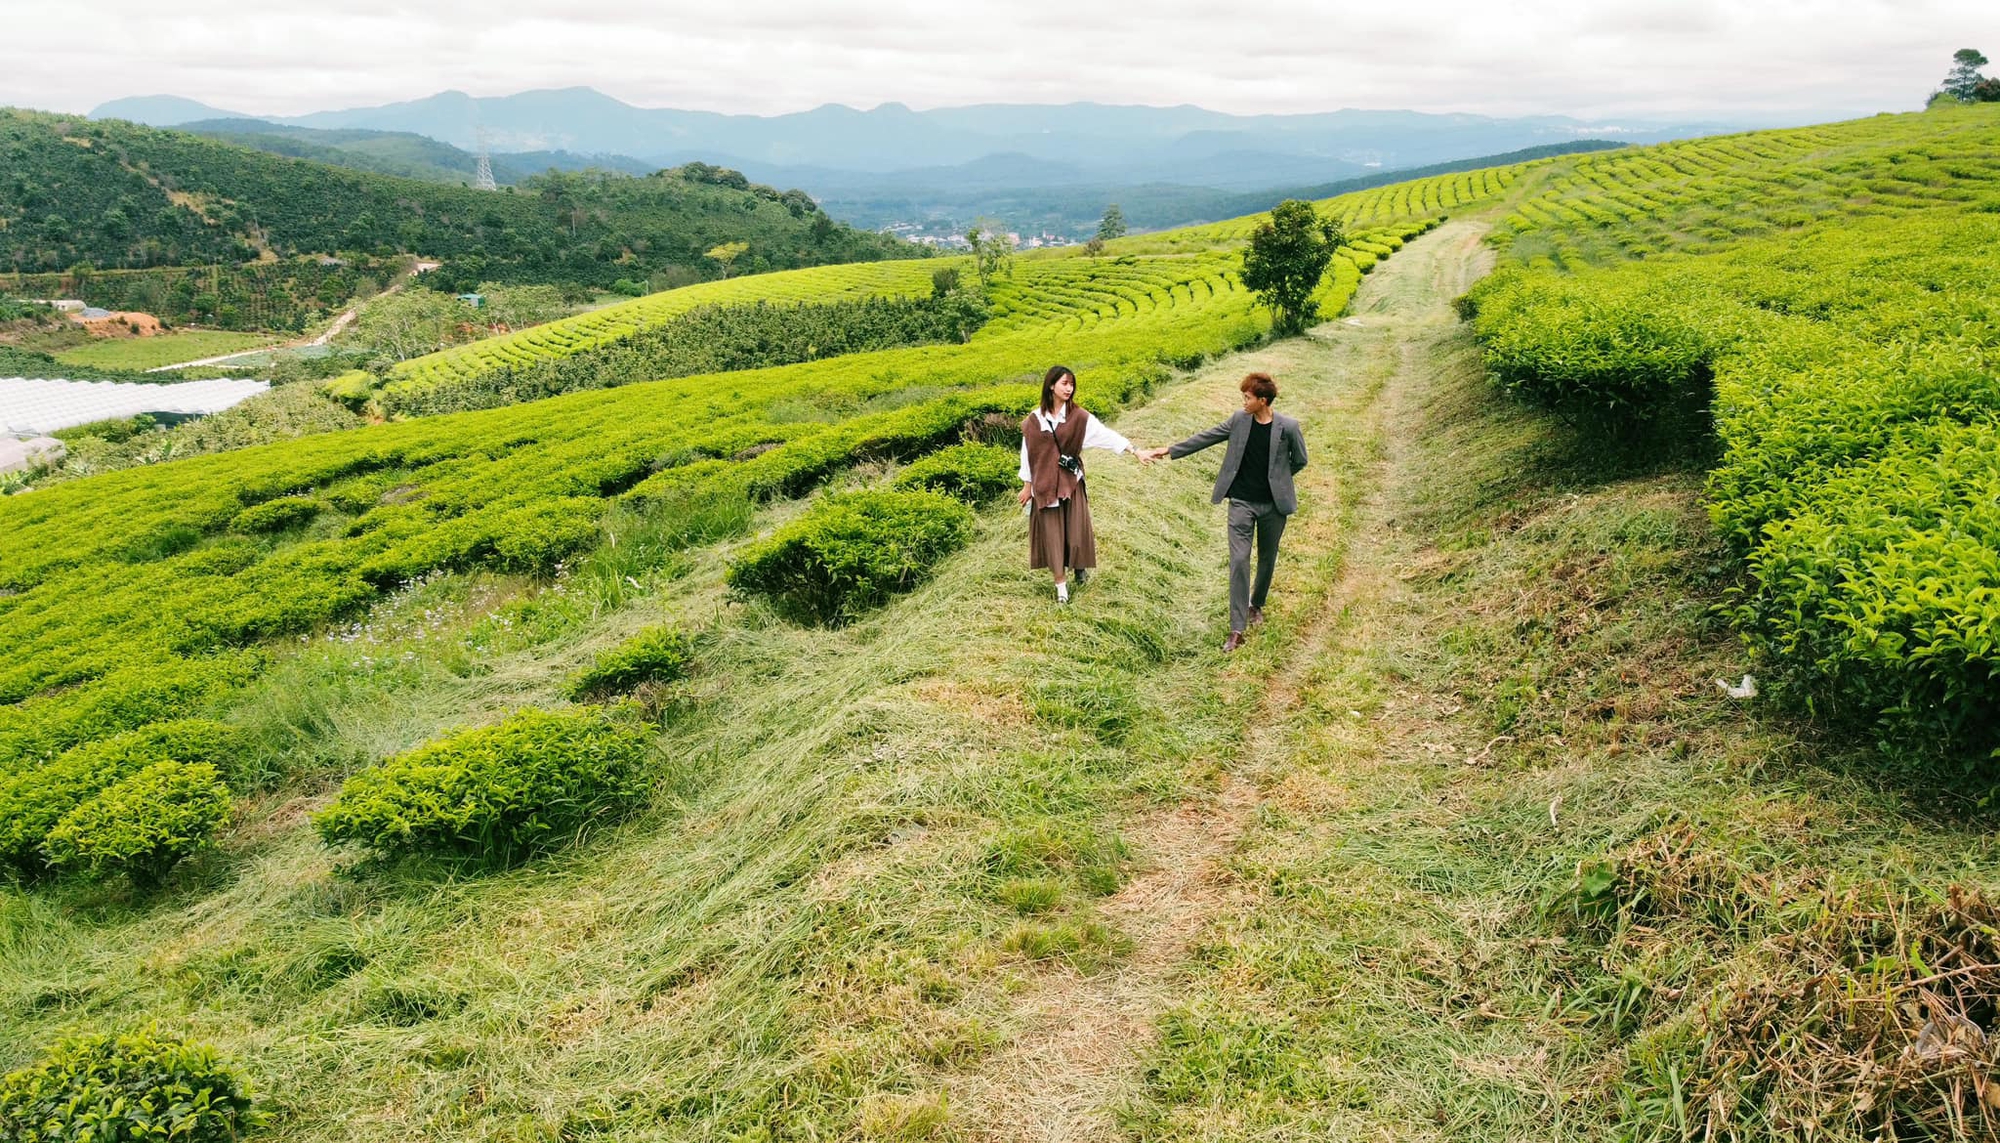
{"x": 1094, "y": 248}
{"x": 1112, "y": 225}
{"x": 992, "y": 251}
{"x": 1286, "y": 258}
{"x": 726, "y": 254}
{"x": 1962, "y": 82}
{"x": 406, "y": 324}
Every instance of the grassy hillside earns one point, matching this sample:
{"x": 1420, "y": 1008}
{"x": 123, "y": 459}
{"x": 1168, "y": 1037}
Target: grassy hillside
{"x": 108, "y": 194}
{"x": 164, "y": 349}
{"x": 525, "y": 488}
{"x": 602, "y": 492}
{"x": 1059, "y": 292}
{"x": 1467, "y": 843}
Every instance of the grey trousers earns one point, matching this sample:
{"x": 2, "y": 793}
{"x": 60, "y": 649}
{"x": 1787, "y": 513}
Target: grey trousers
{"x": 1262, "y": 523}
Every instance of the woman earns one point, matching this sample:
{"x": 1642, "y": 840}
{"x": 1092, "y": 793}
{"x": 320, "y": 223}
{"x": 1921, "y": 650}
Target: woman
{"x": 1053, "y": 438}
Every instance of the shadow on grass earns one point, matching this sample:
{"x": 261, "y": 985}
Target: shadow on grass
{"x": 1585, "y": 451}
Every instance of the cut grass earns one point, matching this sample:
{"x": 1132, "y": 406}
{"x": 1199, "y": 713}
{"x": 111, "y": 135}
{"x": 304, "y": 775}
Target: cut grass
{"x": 806, "y": 930}
{"x": 141, "y": 353}
{"x": 1522, "y": 871}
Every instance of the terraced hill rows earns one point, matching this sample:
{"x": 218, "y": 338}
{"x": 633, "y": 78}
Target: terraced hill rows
{"x": 1709, "y": 194}
{"x": 604, "y": 326}
{"x": 1376, "y": 219}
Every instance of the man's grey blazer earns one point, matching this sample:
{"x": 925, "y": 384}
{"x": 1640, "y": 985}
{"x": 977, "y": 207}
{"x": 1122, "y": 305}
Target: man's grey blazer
{"x": 1288, "y": 455}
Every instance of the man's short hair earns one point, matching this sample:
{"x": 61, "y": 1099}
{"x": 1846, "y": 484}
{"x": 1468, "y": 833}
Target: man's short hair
{"x": 1260, "y": 385}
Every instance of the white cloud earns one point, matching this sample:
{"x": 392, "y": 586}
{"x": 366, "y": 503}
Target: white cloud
{"x": 1640, "y": 58}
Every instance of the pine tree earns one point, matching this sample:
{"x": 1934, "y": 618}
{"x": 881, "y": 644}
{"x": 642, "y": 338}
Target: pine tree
{"x": 1962, "y": 82}
{"x": 1112, "y": 225}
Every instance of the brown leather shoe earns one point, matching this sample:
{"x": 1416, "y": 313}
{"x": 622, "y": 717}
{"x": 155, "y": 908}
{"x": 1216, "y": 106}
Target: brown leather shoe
{"x": 1234, "y": 641}
{"x": 1256, "y": 617}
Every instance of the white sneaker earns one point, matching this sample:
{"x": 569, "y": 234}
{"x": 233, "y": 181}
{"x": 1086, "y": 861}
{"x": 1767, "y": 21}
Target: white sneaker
{"x": 1062, "y": 593}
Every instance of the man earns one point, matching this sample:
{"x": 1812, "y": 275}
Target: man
{"x": 1265, "y": 450}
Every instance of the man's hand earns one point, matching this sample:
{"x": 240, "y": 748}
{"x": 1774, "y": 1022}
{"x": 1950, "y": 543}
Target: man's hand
{"x": 1027, "y": 494}
{"x": 1149, "y": 455}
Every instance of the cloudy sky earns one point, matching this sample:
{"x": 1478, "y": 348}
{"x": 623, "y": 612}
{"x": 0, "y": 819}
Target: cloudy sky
{"x": 1761, "y": 59}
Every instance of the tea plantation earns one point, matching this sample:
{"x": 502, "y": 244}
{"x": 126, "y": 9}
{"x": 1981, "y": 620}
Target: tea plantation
{"x": 1831, "y": 291}
{"x": 691, "y": 758}
{"x": 269, "y": 544}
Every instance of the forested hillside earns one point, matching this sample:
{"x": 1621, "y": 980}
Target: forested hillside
{"x": 111, "y": 195}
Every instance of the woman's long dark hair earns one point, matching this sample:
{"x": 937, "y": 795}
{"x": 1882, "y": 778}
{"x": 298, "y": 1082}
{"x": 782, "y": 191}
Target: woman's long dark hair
{"x": 1049, "y": 379}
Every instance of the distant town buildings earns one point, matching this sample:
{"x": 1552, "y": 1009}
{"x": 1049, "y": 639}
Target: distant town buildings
{"x": 939, "y": 237}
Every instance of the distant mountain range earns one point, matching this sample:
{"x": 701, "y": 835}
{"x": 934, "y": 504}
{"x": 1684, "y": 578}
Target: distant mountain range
{"x": 1074, "y": 210}
{"x": 401, "y": 153}
{"x": 835, "y": 147}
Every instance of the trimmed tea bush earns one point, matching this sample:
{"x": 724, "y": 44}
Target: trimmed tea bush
{"x": 1609, "y": 349}
{"x": 276, "y": 515}
{"x": 143, "y": 825}
{"x": 849, "y": 553}
{"x": 140, "y": 1086}
{"x": 974, "y": 473}
{"x": 656, "y": 655}
{"x": 539, "y": 536}
{"x": 34, "y": 801}
{"x": 493, "y": 793}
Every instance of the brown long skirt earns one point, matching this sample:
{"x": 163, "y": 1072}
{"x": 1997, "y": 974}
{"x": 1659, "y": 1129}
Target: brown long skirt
{"x": 1061, "y": 536}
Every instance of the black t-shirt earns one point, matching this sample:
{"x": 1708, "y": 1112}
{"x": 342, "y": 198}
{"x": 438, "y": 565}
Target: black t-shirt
{"x": 1253, "y": 479}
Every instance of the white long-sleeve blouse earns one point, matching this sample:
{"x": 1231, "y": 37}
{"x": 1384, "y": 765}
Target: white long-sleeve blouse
{"x": 1095, "y": 435}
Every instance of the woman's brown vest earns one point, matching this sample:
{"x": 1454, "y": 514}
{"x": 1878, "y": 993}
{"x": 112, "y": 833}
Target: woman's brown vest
{"x": 1051, "y": 482}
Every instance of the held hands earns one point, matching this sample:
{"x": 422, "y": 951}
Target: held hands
{"x": 1149, "y": 455}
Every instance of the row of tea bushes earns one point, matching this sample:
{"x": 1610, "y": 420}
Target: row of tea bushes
{"x": 1855, "y": 371}
{"x": 974, "y": 473}
{"x": 1613, "y": 350}
{"x": 849, "y": 553}
{"x": 115, "y": 804}
{"x": 657, "y": 655}
{"x": 708, "y": 339}
{"x": 601, "y": 327}
{"x": 495, "y": 793}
